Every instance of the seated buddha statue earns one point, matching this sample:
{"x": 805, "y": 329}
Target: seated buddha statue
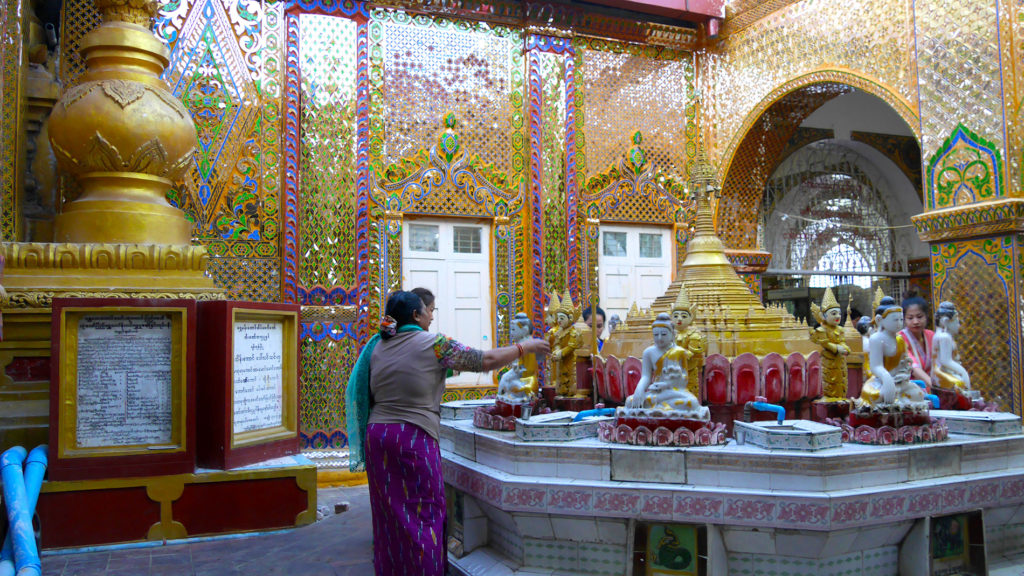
{"x": 947, "y": 372}
{"x": 662, "y": 390}
{"x": 519, "y": 384}
{"x": 832, "y": 339}
{"x": 566, "y": 340}
{"x": 890, "y": 382}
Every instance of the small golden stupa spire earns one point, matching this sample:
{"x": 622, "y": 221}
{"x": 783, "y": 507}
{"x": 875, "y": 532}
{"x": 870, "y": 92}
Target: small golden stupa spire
{"x": 682, "y": 302}
{"x": 553, "y": 303}
{"x": 878, "y": 299}
{"x": 828, "y": 301}
{"x": 568, "y": 308}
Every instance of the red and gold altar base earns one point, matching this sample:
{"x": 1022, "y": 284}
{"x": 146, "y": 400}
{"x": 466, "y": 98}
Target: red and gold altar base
{"x": 885, "y": 425}
{"x": 662, "y": 432}
{"x": 502, "y": 415}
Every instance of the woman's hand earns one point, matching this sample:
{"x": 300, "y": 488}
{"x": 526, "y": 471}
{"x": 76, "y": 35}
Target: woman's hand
{"x": 499, "y": 357}
{"x": 535, "y": 346}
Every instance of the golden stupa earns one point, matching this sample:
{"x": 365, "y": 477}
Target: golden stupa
{"x": 731, "y": 318}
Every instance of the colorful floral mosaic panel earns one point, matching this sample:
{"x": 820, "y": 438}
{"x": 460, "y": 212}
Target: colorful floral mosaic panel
{"x": 978, "y": 276}
{"x": 965, "y": 170}
{"x": 327, "y": 357}
{"x": 550, "y": 84}
{"x": 223, "y": 71}
{"x": 957, "y": 48}
{"x": 327, "y": 153}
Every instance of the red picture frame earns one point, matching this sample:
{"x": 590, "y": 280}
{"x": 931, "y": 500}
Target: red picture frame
{"x": 125, "y": 344}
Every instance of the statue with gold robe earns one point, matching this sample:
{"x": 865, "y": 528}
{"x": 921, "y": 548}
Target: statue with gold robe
{"x": 832, "y": 339}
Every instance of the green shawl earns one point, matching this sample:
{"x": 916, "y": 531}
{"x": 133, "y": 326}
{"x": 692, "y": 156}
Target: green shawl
{"x": 357, "y": 402}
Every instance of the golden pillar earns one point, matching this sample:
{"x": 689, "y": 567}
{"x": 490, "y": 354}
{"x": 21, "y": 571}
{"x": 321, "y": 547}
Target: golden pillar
{"x": 122, "y": 135}
{"x": 125, "y": 139}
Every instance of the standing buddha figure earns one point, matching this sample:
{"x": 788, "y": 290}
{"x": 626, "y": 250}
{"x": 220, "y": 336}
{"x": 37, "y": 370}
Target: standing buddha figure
{"x": 551, "y": 319}
{"x": 947, "y": 372}
{"x": 567, "y": 340}
{"x": 832, "y": 339}
{"x": 690, "y": 339}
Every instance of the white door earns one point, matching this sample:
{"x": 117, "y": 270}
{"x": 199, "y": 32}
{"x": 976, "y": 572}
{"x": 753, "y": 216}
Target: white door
{"x": 635, "y": 265}
{"x": 452, "y": 260}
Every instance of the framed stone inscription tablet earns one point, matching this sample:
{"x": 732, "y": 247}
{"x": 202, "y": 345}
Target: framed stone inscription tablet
{"x": 121, "y": 396}
{"x": 248, "y": 382}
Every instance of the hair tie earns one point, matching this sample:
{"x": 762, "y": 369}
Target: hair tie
{"x": 388, "y": 325}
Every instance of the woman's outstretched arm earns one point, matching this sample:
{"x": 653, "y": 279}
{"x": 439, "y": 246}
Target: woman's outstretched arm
{"x": 498, "y": 357}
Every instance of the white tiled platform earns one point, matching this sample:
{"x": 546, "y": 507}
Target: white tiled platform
{"x": 837, "y": 510}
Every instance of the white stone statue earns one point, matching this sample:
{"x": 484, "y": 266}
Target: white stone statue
{"x": 662, "y": 391}
{"x": 890, "y": 366}
{"x": 947, "y": 372}
{"x": 519, "y": 384}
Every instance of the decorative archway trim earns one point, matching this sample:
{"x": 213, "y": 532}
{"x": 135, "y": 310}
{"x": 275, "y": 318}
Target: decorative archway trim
{"x": 846, "y": 76}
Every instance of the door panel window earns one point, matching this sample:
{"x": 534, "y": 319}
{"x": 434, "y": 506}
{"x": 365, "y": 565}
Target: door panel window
{"x": 423, "y": 237}
{"x": 615, "y": 244}
{"x": 466, "y": 240}
{"x": 650, "y": 245}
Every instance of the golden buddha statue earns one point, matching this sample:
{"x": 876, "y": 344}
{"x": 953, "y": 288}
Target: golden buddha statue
{"x": 832, "y": 339}
{"x": 690, "y": 339}
{"x": 566, "y": 340}
{"x": 890, "y": 366}
{"x": 551, "y": 318}
{"x": 947, "y": 372}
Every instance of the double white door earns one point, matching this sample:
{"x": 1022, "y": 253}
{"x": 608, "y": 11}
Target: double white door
{"x": 635, "y": 265}
{"x": 452, "y": 259}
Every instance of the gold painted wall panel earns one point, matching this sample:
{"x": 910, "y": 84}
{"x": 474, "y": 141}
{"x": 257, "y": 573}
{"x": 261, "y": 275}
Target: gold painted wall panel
{"x": 434, "y": 66}
{"x": 871, "y": 39}
{"x": 1012, "y": 33}
{"x": 958, "y": 62}
{"x": 10, "y": 114}
{"x": 629, "y": 89}
{"x": 553, "y": 185}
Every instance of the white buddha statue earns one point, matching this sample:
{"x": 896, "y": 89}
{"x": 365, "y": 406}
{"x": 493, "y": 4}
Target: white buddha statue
{"x": 661, "y": 392}
{"x": 947, "y": 372}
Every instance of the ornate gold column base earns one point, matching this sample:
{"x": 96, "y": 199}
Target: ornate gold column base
{"x": 35, "y": 273}
{"x": 137, "y": 214}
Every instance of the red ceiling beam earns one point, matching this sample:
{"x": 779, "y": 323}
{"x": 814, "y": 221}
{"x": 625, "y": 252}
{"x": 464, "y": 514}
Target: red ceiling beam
{"x": 692, "y": 10}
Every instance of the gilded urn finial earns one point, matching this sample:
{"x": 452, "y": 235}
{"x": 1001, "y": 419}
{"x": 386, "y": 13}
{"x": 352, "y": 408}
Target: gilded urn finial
{"x": 123, "y": 135}
{"x": 139, "y": 12}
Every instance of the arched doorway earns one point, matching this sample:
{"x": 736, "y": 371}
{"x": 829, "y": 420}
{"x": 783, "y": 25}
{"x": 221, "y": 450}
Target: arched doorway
{"x": 767, "y": 137}
{"x": 826, "y": 179}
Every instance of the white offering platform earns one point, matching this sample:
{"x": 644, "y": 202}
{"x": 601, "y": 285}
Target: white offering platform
{"x": 574, "y": 507}
{"x": 558, "y": 426}
{"x": 788, "y": 435}
{"x": 463, "y": 409}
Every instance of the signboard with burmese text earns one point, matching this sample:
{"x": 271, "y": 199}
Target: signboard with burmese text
{"x": 248, "y": 358}
{"x": 121, "y": 397}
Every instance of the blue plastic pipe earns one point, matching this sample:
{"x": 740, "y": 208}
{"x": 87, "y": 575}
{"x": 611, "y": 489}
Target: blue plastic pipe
{"x": 595, "y": 412}
{"x": 934, "y": 399}
{"x": 21, "y": 492}
{"x": 780, "y": 412}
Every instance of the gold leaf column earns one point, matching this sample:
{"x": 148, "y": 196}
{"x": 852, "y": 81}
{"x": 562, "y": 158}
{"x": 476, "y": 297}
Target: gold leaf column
{"x": 122, "y": 135}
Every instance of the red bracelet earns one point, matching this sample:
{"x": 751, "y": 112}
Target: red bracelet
{"x": 521, "y": 351}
